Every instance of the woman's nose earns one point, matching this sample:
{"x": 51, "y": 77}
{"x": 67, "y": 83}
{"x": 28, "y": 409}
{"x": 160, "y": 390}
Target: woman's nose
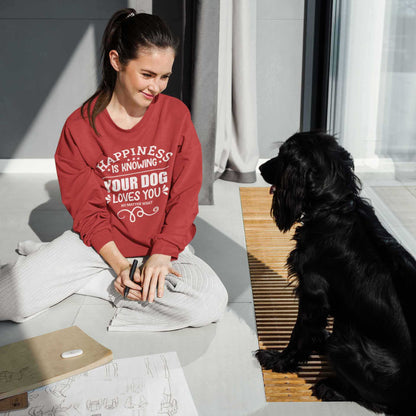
{"x": 154, "y": 86}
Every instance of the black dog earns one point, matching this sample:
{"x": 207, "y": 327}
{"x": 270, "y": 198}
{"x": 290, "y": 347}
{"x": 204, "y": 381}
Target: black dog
{"x": 349, "y": 267}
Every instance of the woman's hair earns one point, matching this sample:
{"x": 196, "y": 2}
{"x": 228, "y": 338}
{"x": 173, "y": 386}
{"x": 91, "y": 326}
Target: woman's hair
{"x": 126, "y": 32}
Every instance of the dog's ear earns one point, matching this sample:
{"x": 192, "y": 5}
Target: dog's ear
{"x": 289, "y": 196}
{"x": 335, "y": 184}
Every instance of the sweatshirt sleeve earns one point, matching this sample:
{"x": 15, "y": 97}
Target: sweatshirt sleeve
{"x": 182, "y": 207}
{"x": 82, "y": 193}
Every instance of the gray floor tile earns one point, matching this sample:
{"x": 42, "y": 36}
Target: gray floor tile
{"x": 48, "y": 224}
{"x": 57, "y": 317}
{"x": 226, "y": 257}
{"x": 32, "y": 211}
{"x": 412, "y": 189}
{"x": 13, "y": 229}
{"x": 220, "y": 239}
{"x": 228, "y": 358}
{"x": 27, "y": 191}
{"x": 401, "y": 201}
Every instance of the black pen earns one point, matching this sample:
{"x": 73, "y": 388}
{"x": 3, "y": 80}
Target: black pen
{"x": 131, "y": 275}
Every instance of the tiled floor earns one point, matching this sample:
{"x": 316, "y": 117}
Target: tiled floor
{"x": 222, "y": 374}
{"x": 401, "y": 201}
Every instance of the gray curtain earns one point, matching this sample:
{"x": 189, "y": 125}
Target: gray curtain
{"x": 237, "y": 151}
{"x": 204, "y": 91}
{"x": 223, "y": 101}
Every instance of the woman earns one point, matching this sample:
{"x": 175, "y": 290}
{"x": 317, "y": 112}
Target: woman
{"x": 129, "y": 169}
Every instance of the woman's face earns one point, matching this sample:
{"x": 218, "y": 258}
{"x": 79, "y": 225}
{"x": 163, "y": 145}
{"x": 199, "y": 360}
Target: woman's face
{"x": 143, "y": 78}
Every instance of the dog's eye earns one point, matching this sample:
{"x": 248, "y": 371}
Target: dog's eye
{"x": 272, "y": 190}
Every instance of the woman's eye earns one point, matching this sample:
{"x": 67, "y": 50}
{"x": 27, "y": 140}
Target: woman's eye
{"x": 146, "y": 75}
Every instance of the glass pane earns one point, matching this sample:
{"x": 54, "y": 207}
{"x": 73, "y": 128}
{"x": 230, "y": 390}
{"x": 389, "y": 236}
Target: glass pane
{"x": 372, "y": 104}
{"x": 373, "y": 84}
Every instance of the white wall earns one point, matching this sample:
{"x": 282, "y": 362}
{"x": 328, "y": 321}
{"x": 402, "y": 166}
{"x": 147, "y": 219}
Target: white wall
{"x": 49, "y": 53}
{"x": 279, "y": 71}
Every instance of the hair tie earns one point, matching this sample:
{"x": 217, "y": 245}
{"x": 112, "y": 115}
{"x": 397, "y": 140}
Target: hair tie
{"x": 130, "y": 15}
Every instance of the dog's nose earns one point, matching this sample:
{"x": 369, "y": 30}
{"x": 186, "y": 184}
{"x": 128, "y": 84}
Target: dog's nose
{"x": 264, "y": 167}
{"x": 267, "y": 170}
{"x": 261, "y": 167}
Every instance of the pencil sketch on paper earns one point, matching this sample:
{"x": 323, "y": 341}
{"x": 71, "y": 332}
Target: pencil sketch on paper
{"x": 60, "y": 388}
{"x": 169, "y": 404}
{"x": 137, "y": 386}
{"x": 111, "y": 370}
{"x": 52, "y": 411}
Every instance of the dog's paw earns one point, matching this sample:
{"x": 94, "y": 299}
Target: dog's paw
{"x": 280, "y": 362}
{"x": 327, "y": 391}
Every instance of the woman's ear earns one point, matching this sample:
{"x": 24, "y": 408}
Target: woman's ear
{"x": 114, "y": 60}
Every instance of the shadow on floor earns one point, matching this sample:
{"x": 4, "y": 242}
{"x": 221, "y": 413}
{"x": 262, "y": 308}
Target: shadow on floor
{"x": 50, "y": 219}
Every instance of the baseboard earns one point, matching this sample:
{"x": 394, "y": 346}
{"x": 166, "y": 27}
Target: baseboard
{"x": 374, "y": 165}
{"x": 27, "y": 166}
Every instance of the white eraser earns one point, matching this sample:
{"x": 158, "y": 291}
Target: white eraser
{"x": 72, "y": 353}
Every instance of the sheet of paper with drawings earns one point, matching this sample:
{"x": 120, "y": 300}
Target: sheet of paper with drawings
{"x": 146, "y": 385}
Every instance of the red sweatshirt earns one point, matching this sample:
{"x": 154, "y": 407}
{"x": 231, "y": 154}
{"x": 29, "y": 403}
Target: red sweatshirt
{"x": 136, "y": 187}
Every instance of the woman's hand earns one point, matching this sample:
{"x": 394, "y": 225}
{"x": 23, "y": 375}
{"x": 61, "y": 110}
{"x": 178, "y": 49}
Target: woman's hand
{"x": 121, "y": 266}
{"x": 153, "y": 276}
{"x": 123, "y": 280}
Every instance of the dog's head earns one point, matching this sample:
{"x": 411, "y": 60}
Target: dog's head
{"x": 311, "y": 174}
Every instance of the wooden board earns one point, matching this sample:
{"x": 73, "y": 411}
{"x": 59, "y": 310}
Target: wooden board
{"x": 37, "y": 361}
{"x": 274, "y": 301}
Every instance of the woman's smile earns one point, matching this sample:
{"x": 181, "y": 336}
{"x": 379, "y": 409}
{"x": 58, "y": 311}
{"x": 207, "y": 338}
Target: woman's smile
{"x": 147, "y": 95}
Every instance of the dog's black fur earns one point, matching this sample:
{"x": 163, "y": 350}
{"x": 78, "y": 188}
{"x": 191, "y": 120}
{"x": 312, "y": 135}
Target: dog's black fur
{"x": 349, "y": 267}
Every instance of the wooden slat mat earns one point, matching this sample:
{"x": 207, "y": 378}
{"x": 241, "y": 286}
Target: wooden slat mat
{"x": 274, "y": 302}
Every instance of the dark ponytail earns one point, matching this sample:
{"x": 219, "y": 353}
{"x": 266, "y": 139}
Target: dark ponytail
{"x": 126, "y": 33}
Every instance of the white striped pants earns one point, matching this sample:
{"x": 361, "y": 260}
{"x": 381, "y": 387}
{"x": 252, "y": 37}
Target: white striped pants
{"x": 46, "y": 273}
